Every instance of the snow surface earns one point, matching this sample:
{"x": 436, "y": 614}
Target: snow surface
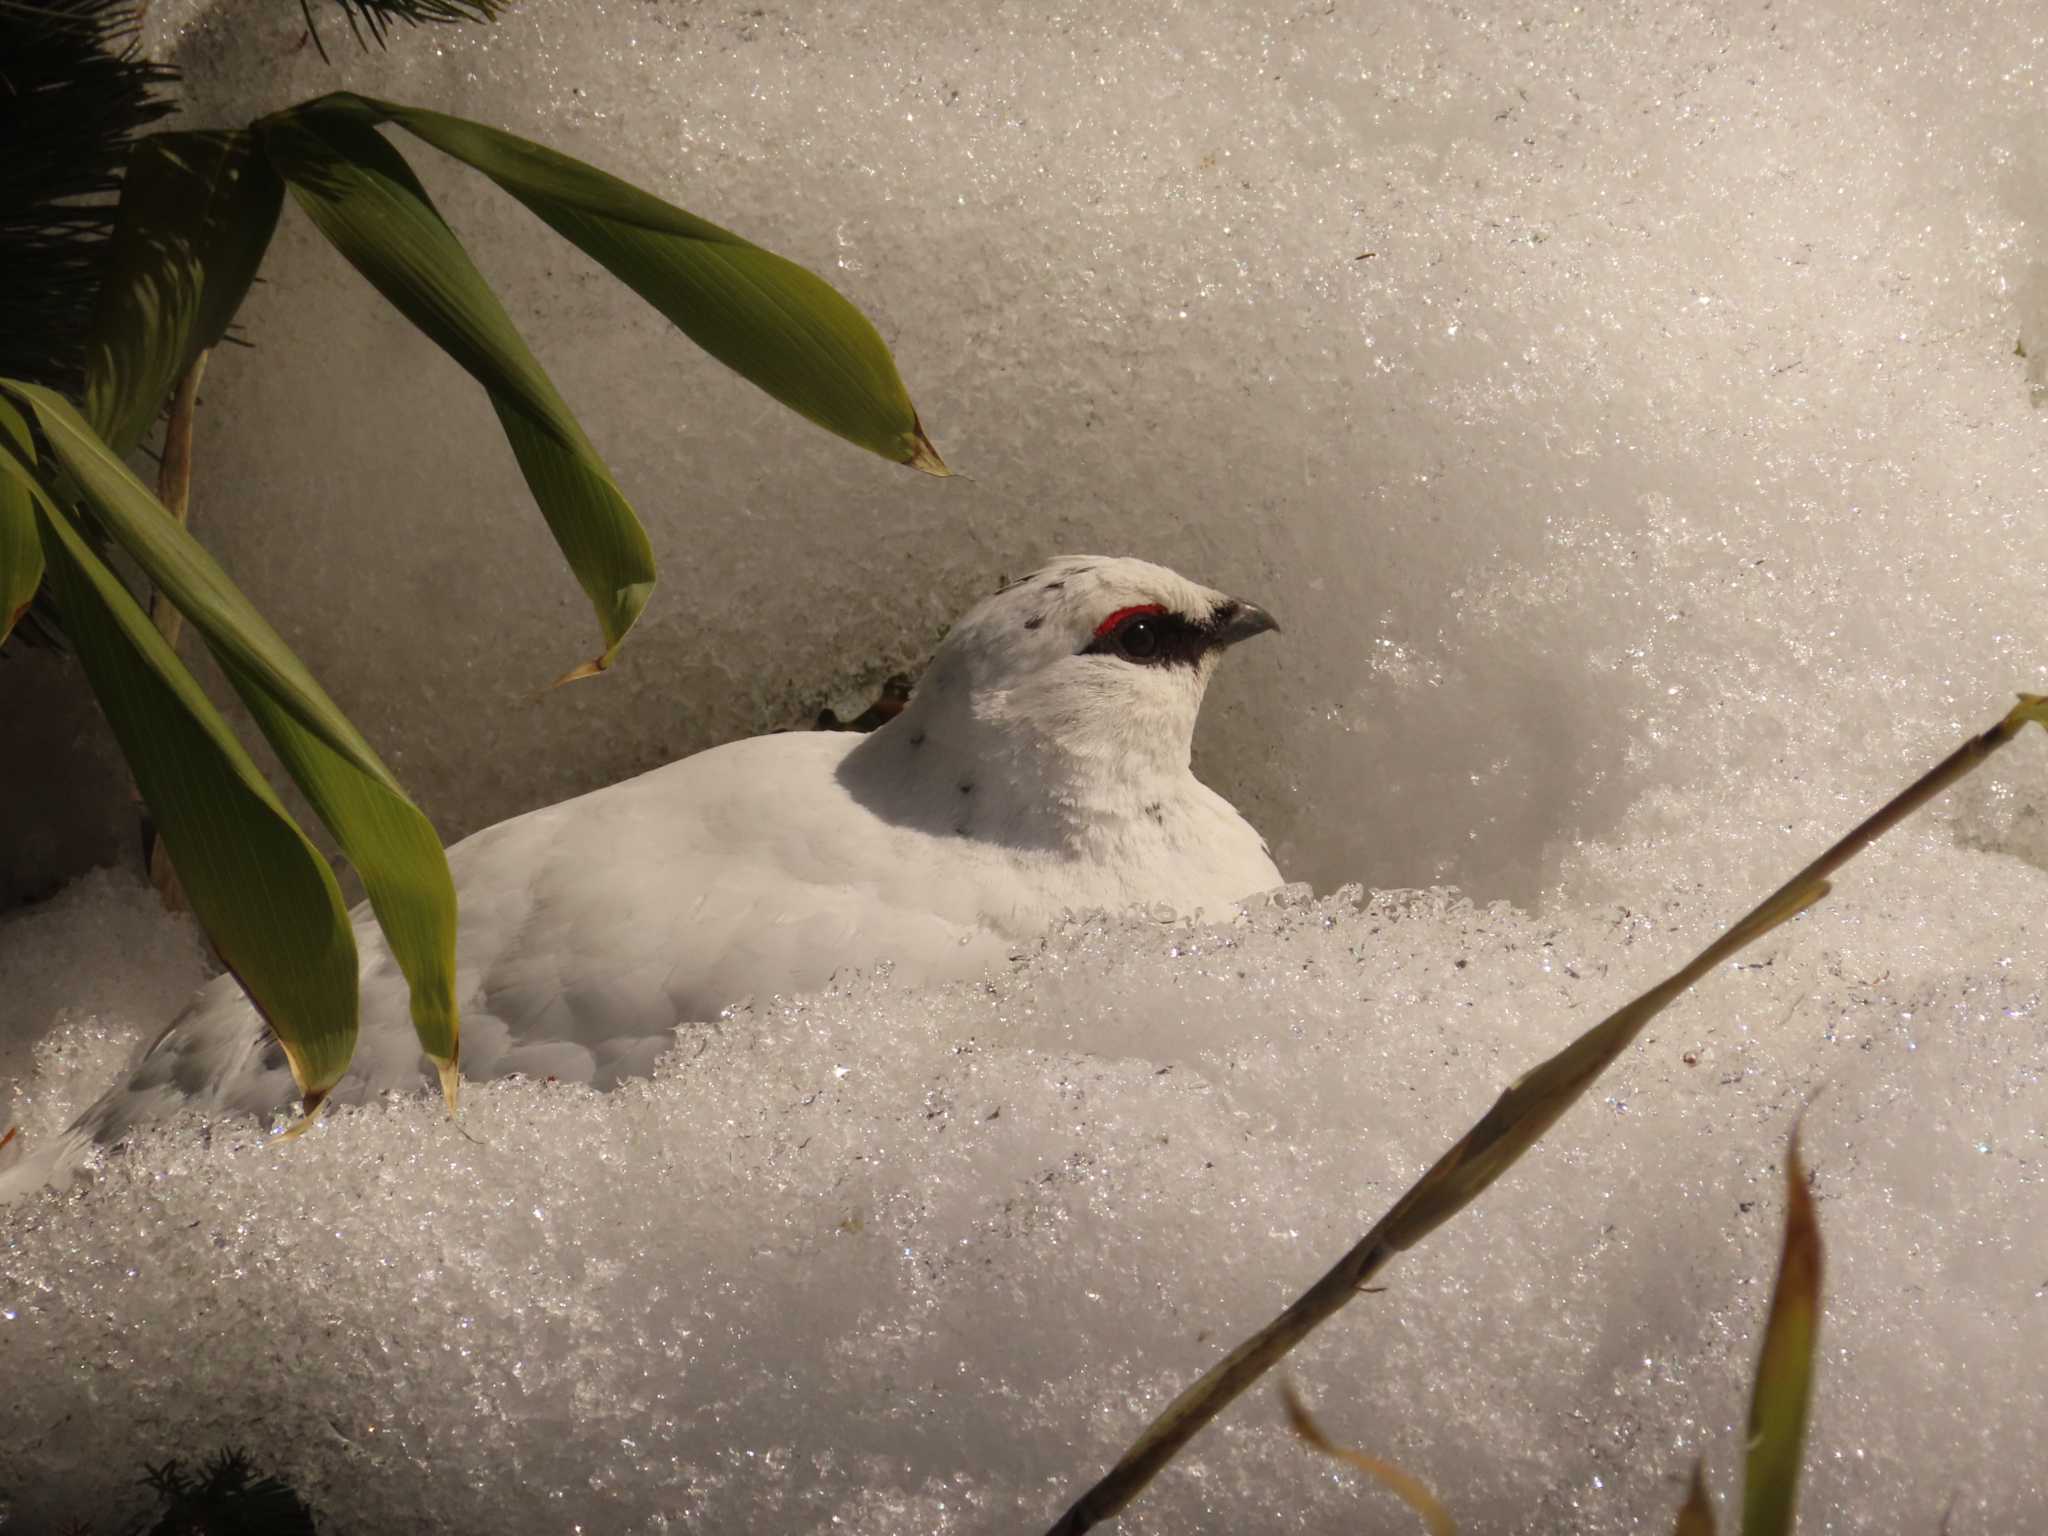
{"x": 1661, "y": 491}
{"x": 890, "y": 1262}
{"x": 1676, "y": 317}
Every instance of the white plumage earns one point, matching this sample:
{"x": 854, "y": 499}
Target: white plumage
{"x": 1041, "y": 766}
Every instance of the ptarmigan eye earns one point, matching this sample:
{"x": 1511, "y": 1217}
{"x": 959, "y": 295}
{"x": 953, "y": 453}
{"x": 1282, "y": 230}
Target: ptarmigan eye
{"x": 1147, "y": 634}
{"x": 1139, "y": 639}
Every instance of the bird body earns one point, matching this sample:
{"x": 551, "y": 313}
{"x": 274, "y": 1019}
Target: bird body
{"x": 1040, "y": 767}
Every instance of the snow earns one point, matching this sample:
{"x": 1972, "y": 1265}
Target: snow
{"x": 887, "y": 1261}
{"x": 1662, "y": 491}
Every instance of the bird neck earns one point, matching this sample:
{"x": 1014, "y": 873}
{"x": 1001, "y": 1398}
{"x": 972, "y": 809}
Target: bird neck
{"x": 1054, "y": 773}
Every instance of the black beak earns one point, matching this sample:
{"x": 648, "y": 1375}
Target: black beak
{"x": 1235, "y": 621}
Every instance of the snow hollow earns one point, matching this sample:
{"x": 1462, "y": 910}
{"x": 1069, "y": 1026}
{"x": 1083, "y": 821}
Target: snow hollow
{"x": 1630, "y": 412}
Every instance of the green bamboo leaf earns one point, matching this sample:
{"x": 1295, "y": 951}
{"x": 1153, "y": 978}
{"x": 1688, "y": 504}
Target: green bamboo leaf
{"x": 197, "y": 213}
{"x": 365, "y": 199}
{"x": 396, "y": 852}
{"x": 1784, "y": 1370}
{"x": 771, "y": 321}
{"x": 386, "y": 837}
{"x": 21, "y": 551}
{"x": 265, "y": 895}
{"x": 184, "y": 571}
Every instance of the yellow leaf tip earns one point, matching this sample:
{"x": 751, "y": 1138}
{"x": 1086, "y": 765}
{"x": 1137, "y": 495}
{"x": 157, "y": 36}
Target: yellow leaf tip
{"x": 581, "y": 670}
{"x": 924, "y": 457}
{"x": 1696, "y": 1518}
{"x": 315, "y": 1107}
{"x": 450, "y": 1071}
{"x": 1298, "y": 1417}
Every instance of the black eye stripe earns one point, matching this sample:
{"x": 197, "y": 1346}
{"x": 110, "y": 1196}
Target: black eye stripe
{"x": 1150, "y": 639}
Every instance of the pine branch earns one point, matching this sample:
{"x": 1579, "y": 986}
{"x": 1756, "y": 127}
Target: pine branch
{"x": 376, "y": 16}
{"x": 74, "y": 92}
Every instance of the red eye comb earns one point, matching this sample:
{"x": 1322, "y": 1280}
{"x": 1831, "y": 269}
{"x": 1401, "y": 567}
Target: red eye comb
{"x": 1124, "y": 613}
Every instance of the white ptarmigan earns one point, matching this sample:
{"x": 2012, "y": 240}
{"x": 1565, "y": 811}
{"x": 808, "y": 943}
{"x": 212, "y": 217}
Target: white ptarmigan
{"x": 1042, "y": 765}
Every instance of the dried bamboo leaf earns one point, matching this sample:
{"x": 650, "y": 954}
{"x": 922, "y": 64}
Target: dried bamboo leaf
{"x": 1529, "y": 1107}
{"x": 1696, "y": 1518}
{"x": 1404, "y": 1485}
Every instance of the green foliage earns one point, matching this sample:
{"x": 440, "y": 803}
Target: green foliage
{"x": 384, "y": 835}
{"x": 365, "y": 199}
{"x": 1784, "y": 1370}
{"x": 1784, "y": 1380}
{"x": 375, "y": 17}
{"x": 267, "y": 898}
{"x": 228, "y": 1499}
{"x": 196, "y": 215}
{"x": 21, "y": 548}
{"x": 764, "y": 317}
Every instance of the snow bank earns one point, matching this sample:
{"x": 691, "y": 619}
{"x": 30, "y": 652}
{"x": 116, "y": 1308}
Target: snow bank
{"x": 882, "y": 1261}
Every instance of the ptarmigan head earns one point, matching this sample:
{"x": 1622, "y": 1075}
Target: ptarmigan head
{"x": 1114, "y": 624}
{"x": 1085, "y": 675}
